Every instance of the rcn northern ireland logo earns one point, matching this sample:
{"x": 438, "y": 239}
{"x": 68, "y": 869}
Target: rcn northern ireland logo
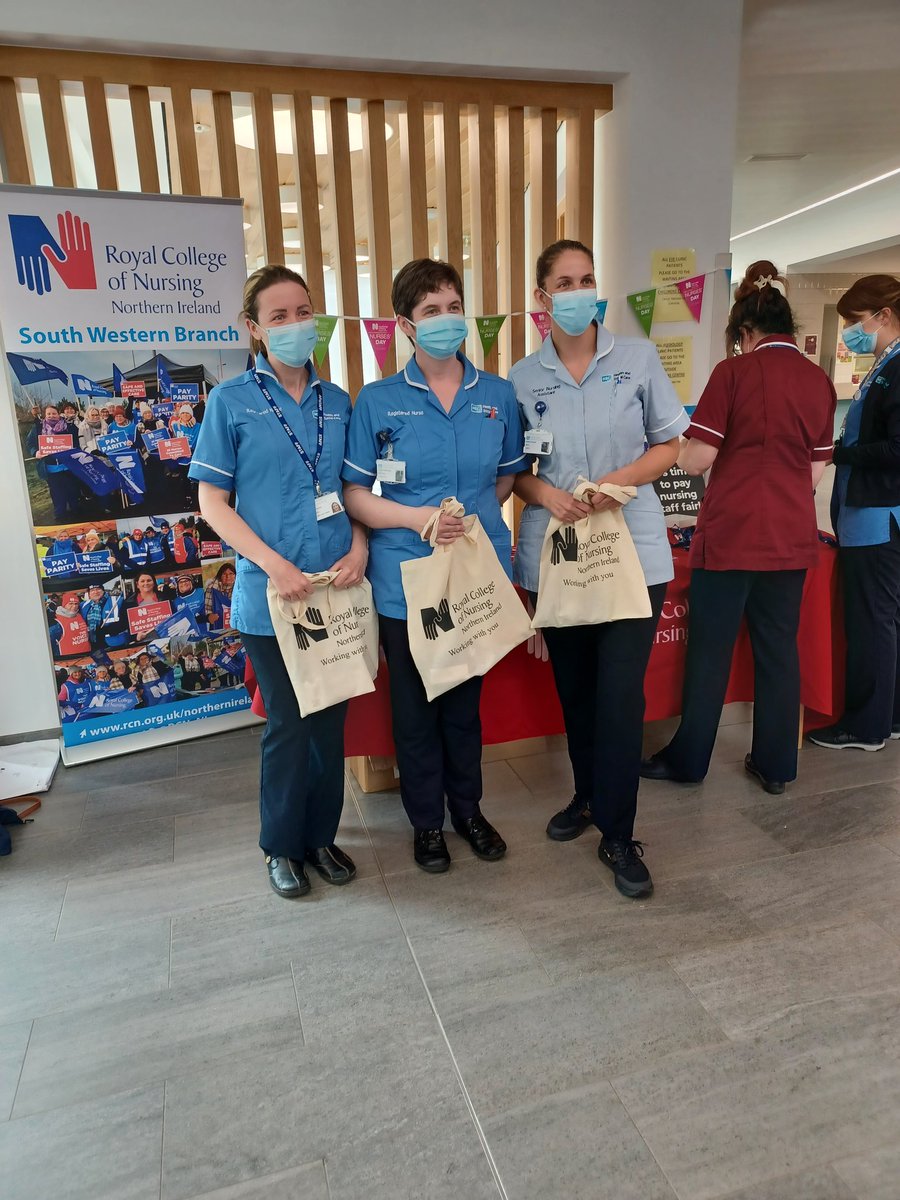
{"x": 36, "y": 250}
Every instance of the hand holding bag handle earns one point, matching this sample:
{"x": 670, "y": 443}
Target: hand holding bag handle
{"x": 449, "y": 507}
{"x": 585, "y": 488}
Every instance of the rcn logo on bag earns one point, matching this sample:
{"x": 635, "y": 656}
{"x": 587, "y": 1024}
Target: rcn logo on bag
{"x": 314, "y": 631}
{"x": 563, "y": 545}
{"x": 36, "y": 250}
{"x": 434, "y": 619}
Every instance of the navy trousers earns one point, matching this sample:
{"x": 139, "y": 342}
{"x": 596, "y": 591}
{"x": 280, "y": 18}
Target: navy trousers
{"x": 301, "y": 789}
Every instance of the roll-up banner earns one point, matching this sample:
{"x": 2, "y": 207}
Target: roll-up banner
{"x": 118, "y": 314}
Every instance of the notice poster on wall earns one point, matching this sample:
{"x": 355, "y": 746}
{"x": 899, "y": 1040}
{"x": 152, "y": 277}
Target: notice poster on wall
{"x": 118, "y": 314}
{"x": 667, "y": 267}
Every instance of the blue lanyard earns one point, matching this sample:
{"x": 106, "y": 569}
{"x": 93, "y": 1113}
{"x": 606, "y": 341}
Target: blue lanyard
{"x": 886, "y": 356}
{"x": 312, "y": 467}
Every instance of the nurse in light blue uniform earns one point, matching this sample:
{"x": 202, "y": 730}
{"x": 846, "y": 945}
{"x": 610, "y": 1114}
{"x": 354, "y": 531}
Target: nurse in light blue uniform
{"x": 275, "y": 437}
{"x": 601, "y": 407}
{"x": 438, "y": 428}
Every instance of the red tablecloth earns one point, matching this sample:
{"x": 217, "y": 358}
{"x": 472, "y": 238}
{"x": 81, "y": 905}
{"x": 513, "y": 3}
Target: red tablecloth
{"x": 519, "y": 698}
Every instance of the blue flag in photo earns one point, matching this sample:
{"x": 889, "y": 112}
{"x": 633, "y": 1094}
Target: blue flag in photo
{"x": 163, "y": 379}
{"x": 130, "y": 471}
{"x": 88, "y": 387}
{"x": 54, "y": 565}
{"x": 152, "y": 438}
{"x": 232, "y": 661}
{"x": 602, "y": 306}
{"x": 35, "y": 370}
{"x": 180, "y": 624}
{"x": 106, "y": 701}
{"x": 161, "y": 691}
{"x": 118, "y": 380}
{"x": 94, "y": 472}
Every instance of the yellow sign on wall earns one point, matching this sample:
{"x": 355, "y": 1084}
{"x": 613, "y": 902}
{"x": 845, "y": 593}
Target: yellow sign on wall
{"x": 668, "y": 266}
{"x": 676, "y": 355}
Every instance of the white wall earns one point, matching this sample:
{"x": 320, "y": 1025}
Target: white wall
{"x": 667, "y": 149}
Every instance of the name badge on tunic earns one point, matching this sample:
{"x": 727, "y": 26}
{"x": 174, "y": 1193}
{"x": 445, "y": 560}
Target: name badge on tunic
{"x": 390, "y": 470}
{"x": 328, "y": 505}
{"x": 538, "y": 441}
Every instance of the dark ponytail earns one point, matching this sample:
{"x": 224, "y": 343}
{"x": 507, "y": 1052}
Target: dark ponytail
{"x": 759, "y": 305}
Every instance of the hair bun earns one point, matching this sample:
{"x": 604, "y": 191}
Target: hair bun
{"x": 757, "y": 275}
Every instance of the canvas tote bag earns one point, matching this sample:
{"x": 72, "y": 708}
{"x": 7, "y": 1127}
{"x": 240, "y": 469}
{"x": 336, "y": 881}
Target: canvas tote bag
{"x": 329, "y": 641}
{"x": 463, "y": 614}
{"x": 590, "y": 572}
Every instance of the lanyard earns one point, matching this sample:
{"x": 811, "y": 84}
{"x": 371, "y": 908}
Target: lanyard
{"x": 312, "y": 467}
{"x": 887, "y": 353}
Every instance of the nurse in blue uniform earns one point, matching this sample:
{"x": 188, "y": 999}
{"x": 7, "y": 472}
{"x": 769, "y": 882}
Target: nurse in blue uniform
{"x": 603, "y": 408}
{"x": 437, "y": 428}
{"x": 275, "y": 438}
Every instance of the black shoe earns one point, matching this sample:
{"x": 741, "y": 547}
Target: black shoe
{"x": 430, "y": 851}
{"x": 481, "y": 835}
{"x": 332, "y": 864}
{"x": 623, "y": 857}
{"x": 656, "y": 767}
{"x": 570, "y": 822}
{"x": 832, "y": 737}
{"x": 287, "y": 877}
{"x": 772, "y": 786}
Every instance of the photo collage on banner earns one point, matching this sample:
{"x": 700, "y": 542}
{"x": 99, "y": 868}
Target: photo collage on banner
{"x": 136, "y": 586}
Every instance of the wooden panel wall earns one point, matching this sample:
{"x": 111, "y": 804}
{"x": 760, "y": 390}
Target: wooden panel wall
{"x": 492, "y": 163}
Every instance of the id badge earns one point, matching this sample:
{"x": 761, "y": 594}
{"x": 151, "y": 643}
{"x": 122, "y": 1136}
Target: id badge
{"x": 538, "y": 441}
{"x": 328, "y": 505}
{"x": 390, "y": 470}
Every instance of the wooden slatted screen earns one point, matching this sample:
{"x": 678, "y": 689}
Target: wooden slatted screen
{"x": 343, "y": 174}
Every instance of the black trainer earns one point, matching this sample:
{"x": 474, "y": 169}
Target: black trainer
{"x": 623, "y": 857}
{"x": 570, "y": 822}
{"x": 287, "y": 877}
{"x": 430, "y": 850}
{"x": 773, "y": 786}
{"x": 832, "y": 737}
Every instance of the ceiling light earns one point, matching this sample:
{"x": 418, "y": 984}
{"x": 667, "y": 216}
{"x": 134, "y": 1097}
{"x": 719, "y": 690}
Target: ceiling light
{"x": 291, "y": 243}
{"x": 767, "y": 158}
{"x": 245, "y": 133}
{"x": 818, "y": 204}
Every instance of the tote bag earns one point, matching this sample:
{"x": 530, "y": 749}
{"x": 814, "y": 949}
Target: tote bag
{"x": 464, "y": 615}
{"x": 590, "y": 572}
{"x": 329, "y": 642}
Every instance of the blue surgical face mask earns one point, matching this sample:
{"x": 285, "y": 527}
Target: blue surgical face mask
{"x": 292, "y": 344}
{"x": 857, "y": 340}
{"x": 574, "y": 311}
{"x": 440, "y": 336}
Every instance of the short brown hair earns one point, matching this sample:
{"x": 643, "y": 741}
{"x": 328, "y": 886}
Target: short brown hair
{"x": 551, "y": 253}
{"x": 871, "y": 294}
{"x": 413, "y": 282}
{"x": 262, "y": 278}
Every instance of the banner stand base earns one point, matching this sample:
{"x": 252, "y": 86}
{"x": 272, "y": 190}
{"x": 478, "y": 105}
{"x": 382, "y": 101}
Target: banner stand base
{"x": 131, "y": 743}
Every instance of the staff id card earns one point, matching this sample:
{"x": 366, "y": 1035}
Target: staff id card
{"x": 390, "y": 470}
{"x": 538, "y": 441}
{"x": 328, "y": 505}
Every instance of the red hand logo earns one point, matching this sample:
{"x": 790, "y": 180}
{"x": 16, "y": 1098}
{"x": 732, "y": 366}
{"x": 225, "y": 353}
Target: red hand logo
{"x": 76, "y": 269}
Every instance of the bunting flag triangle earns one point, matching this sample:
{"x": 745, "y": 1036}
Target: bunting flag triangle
{"x": 692, "y": 293}
{"x": 541, "y": 319}
{"x": 601, "y": 310}
{"x": 642, "y": 305}
{"x": 728, "y": 277}
{"x": 324, "y": 330}
{"x": 381, "y": 335}
{"x": 488, "y": 328}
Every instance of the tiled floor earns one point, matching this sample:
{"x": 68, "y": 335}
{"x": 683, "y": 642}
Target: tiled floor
{"x": 170, "y": 1029}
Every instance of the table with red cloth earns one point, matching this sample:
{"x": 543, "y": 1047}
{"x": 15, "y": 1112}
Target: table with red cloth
{"x": 519, "y": 698}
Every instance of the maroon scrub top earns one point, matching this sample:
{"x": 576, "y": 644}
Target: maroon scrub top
{"x": 770, "y": 414}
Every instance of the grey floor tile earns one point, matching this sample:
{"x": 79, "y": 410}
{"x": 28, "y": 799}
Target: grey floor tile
{"x": 821, "y": 770}
{"x": 308, "y": 1182}
{"x": 749, "y": 986}
{"x": 59, "y": 812}
{"x": 736, "y": 1115}
{"x": 472, "y": 967}
{"x": 545, "y": 774}
{"x": 48, "y": 976}
{"x": 147, "y": 766}
{"x": 36, "y": 910}
{"x": 872, "y": 1176}
{"x": 518, "y": 1051}
{"x": 104, "y": 1150}
{"x": 67, "y": 855}
{"x": 816, "y": 886}
{"x": 78, "y": 1055}
{"x": 581, "y": 1145}
{"x": 13, "y": 1042}
{"x": 121, "y": 804}
{"x": 819, "y": 1184}
{"x": 237, "y": 749}
{"x": 244, "y": 1117}
{"x": 261, "y": 934}
{"x": 806, "y": 822}
{"x": 120, "y": 898}
{"x": 700, "y": 842}
{"x": 573, "y": 940}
